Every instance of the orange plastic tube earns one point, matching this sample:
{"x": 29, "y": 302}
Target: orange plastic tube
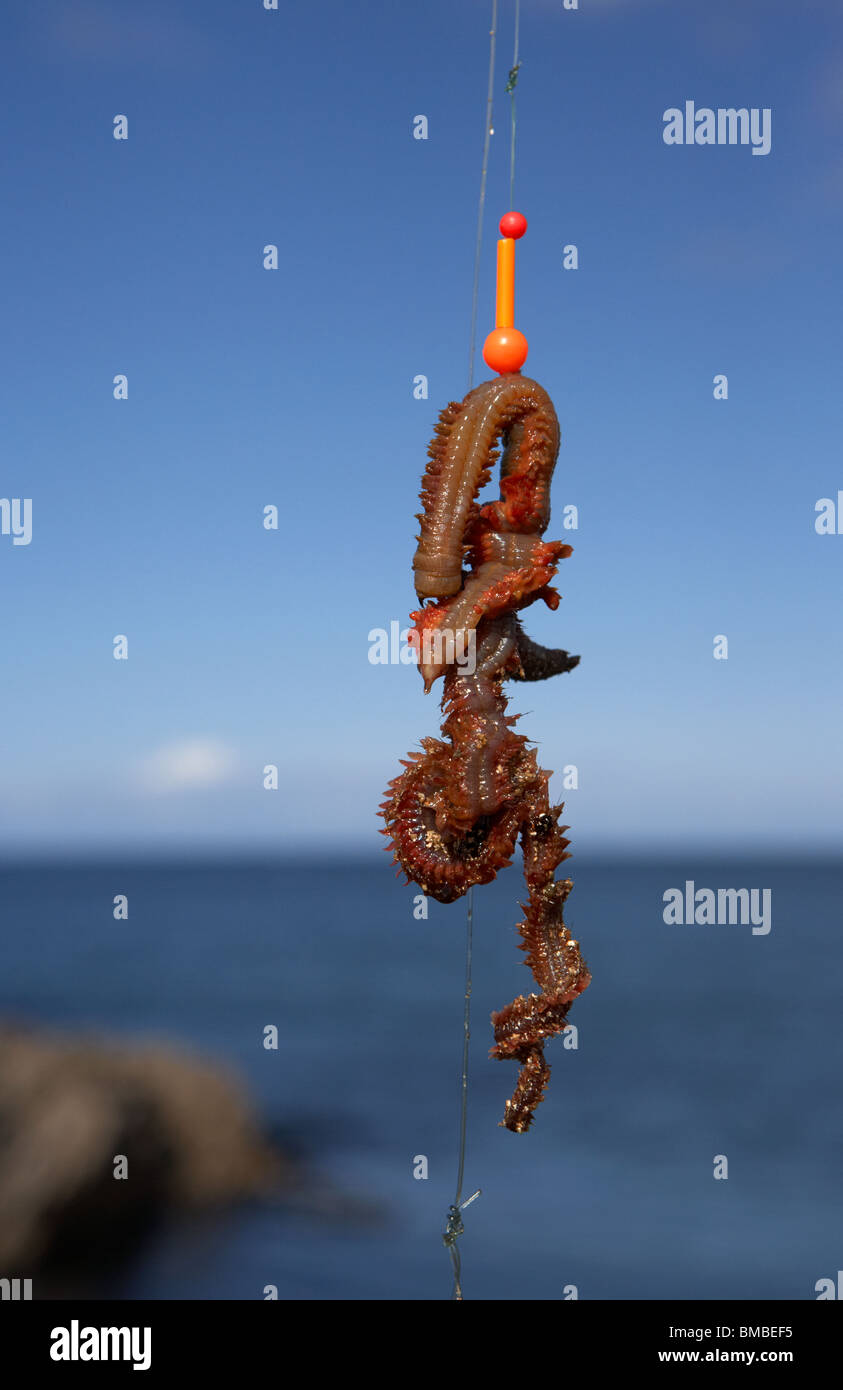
{"x": 505, "y": 301}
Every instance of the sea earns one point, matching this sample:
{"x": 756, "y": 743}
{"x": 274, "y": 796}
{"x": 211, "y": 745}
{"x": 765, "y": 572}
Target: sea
{"x": 690, "y": 1144}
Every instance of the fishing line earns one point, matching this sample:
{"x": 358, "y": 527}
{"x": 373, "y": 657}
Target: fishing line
{"x": 512, "y": 82}
{"x": 483, "y": 172}
{"x": 454, "y": 1227}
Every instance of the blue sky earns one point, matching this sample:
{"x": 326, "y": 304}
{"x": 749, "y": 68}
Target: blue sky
{"x": 293, "y": 388}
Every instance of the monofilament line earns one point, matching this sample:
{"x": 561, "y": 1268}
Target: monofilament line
{"x": 487, "y": 136}
{"x": 454, "y": 1227}
{"x": 510, "y": 87}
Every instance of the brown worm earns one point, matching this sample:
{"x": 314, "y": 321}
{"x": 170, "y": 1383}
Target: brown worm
{"x": 455, "y": 814}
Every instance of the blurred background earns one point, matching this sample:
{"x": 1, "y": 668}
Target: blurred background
{"x": 249, "y": 647}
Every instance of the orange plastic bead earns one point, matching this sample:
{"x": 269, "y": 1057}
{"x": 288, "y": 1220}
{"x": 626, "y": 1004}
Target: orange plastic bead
{"x": 505, "y": 350}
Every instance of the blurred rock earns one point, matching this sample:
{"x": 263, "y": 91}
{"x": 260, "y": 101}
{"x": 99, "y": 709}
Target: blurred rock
{"x": 69, "y": 1106}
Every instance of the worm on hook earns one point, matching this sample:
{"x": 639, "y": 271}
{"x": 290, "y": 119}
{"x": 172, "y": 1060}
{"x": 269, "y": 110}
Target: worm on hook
{"x": 456, "y": 813}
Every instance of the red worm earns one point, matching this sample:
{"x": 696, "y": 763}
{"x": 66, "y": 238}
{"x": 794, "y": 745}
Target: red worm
{"x": 455, "y": 814}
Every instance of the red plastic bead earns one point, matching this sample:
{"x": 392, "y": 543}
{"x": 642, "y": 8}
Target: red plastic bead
{"x": 513, "y": 224}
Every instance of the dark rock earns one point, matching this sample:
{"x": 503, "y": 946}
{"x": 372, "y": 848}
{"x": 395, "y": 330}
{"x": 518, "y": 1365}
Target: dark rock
{"x": 70, "y": 1106}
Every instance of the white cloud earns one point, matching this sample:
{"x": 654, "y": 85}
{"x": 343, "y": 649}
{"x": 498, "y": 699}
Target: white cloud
{"x": 186, "y": 765}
